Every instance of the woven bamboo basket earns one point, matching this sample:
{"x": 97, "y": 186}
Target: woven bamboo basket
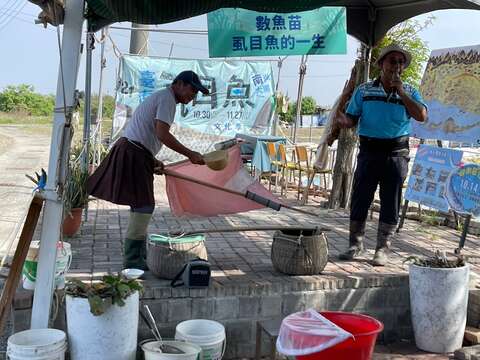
{"x": 299, "y": 252}
{"x": 167, "y": 255}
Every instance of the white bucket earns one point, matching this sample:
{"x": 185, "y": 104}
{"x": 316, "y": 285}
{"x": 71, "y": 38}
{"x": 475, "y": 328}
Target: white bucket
{"x": 208, "y": 334}
{"x": 110, "y": 336}
{"x": 64, "y": 259}
{"x": 152, "y": 350}
{"x": 37, "y": 344}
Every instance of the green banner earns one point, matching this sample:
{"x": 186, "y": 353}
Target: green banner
{"x": 238, "y": 32}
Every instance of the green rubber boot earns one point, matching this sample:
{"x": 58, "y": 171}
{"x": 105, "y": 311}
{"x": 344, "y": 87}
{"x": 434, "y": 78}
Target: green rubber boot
{"x": 134, "y": 251}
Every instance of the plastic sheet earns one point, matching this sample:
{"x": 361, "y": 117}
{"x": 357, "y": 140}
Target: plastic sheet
{"x": 308, "y": 332}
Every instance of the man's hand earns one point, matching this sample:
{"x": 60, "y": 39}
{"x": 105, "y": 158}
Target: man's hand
{"x": 396, "y": 84}
{"x": 196, "y": 158}
{"x": 158, "y": 167}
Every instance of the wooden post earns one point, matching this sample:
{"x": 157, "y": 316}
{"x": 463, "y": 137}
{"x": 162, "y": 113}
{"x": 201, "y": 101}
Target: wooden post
{"x": 13, "y": 278}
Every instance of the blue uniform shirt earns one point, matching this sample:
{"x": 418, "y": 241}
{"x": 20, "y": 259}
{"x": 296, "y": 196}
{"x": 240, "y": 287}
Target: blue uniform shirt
{"x": 379, "y": 116}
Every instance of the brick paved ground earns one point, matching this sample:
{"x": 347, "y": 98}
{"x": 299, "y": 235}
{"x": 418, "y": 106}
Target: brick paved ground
{"x": 245, "y": 256}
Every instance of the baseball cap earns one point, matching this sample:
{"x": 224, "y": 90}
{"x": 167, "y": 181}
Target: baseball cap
{"x": 192, "y": 78}
{"x": 391, "y": 48}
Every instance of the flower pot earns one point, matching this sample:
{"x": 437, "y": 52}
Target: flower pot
{"x": 438, "y": 301}
{"x": 110, "y": 336}
{"x": 72, "y": 222}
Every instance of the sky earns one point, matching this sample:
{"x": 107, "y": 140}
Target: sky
{"x": 30, "y": 52}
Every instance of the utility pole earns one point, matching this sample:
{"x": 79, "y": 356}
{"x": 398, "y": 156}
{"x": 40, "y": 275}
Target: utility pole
{"x": 139, "y": 39}
{"x": 302, "y": 72}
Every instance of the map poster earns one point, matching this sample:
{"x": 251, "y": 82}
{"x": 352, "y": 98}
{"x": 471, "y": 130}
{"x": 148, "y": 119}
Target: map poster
{"x": 451, "y": 90}
{"x": 430, "y": 173}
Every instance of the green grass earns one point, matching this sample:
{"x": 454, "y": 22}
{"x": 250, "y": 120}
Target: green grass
{"x": 22, "y": 119}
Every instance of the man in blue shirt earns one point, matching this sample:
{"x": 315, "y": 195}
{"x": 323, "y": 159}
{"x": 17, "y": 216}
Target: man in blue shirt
{"x": 382, "y": 109}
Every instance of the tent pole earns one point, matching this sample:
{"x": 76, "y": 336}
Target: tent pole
{"x": 98, "y": 135}
{"x": 87, "y": 114}
{"x": 60, "y": 144}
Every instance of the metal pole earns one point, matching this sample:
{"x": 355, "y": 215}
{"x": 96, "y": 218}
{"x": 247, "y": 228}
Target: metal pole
{"x": 103, "y": 62}
{"x": 139, "y": 39}
{"x": 60, "y": 143}
{"x": 275, "y": 118}
{"x": 302, "y": 72}
{"x": 87, "y": 113}
{"x": 171, "y": 50}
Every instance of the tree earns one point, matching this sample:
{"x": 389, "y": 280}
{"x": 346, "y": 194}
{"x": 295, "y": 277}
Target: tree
{"x": 308, "y": 108}
{"x": 108, "y": 106}
{"x": 23, "y": 98}
{"x": 406, "y": 35}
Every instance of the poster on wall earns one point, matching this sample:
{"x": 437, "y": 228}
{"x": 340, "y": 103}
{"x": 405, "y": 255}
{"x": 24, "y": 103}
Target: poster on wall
{"x": 241, "y": 98}
{"x": 451, "y": 90}
{"x": 240, "y": 32}
{"x": 463, "y": 190}
{"x": 431, "y": 170}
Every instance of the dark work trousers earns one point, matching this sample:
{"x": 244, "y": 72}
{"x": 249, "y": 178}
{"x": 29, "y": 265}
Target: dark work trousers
{"x": 389, "y": 169}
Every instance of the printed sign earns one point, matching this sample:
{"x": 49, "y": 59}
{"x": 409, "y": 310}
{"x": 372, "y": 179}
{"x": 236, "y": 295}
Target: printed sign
{"x": 430, "y": 173}
{"x": 239, "y": 32}
{"x": 241, "y": 98}
{"x": 451, "y": 90}
{"x": 463, "y": 191}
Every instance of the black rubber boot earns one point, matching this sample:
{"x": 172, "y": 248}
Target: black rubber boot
{"x": 355, "y": 248}
{"x": 384, "y": 241}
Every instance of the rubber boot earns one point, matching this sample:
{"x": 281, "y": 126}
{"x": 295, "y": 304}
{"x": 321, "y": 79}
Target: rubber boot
{"x": 355, "y": 248}
{"x": 384, "y": 241}
{"x": 135, "y": 254}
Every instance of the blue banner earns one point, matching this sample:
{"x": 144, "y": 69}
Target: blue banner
{"x": 463, "y": 191}
{"x": 430, "y": 173}
{"x": 241, "y": 98}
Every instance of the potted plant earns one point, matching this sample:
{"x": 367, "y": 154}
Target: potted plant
{"x": 102, "y": 318}
{"x": 75, "y": 198}
{"x": 438, "y": 301}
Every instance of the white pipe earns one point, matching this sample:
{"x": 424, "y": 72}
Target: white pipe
{"x": 60, "y": 143}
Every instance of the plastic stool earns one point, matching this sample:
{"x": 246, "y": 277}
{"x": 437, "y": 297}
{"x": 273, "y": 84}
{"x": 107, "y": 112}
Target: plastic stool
{"x": 271, "y": 328}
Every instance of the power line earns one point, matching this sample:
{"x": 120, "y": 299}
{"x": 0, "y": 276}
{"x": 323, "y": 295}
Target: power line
{"x": 167, "y": 43}
{"x": 11, "y": 17}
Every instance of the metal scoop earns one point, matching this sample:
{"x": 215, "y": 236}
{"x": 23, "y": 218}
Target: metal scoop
{"x": 150, "y": 321}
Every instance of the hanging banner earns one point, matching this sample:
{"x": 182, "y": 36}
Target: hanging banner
{"x": 239, "y": 32}
{"x": 451, "y": 89}
{"x": 430, "y": 173}
{"x": 241, "y": 98}
{"x": 463, "y": 190}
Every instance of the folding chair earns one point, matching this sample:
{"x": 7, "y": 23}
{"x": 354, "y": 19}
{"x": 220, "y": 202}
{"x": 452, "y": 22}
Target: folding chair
{"x": 275, "y": 164}
{"x": 303, "y": 165}
{"x": 285, "y": 167}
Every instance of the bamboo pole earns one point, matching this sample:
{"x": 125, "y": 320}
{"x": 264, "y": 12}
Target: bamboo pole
{"x": 234, "y": 192}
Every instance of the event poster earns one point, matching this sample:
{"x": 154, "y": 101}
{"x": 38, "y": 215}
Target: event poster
{"x": 463, "y": 191}
{"x": 451, "y": 90}
{"x": 239, "y": 32}
{"x": 430, "y": 174}
{"x": 241, "y": 98}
